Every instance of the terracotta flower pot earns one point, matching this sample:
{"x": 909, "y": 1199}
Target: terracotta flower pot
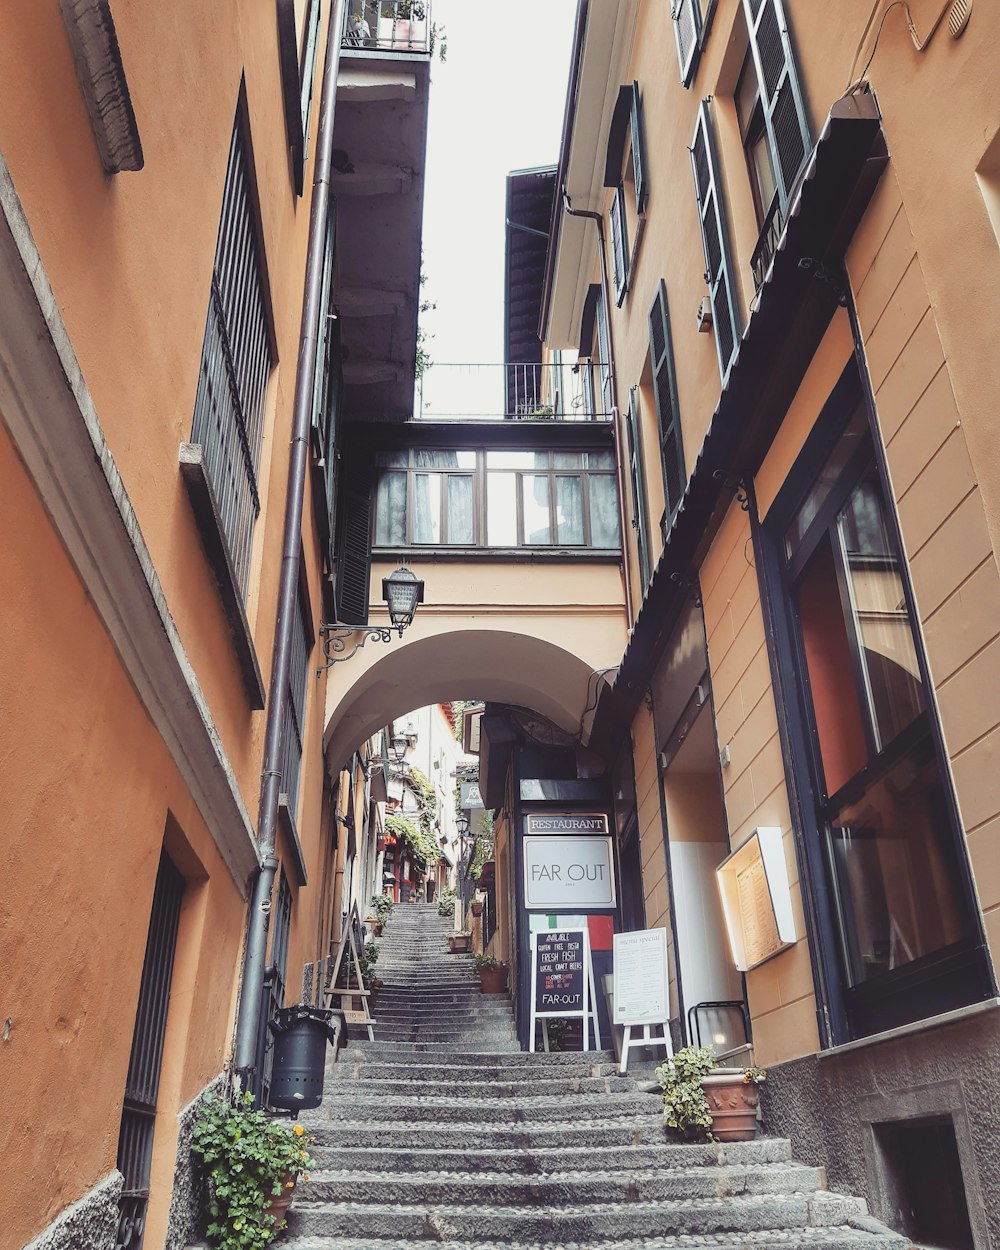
{"x": 477, "y": 909}
{"x": 493, "y": 980}
{"x": 733, "y": 1103}
{"x": 279, "y": 1204}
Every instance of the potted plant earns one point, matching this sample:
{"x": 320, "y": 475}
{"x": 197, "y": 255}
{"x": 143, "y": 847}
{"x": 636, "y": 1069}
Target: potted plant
{"x": 381, "y": 905}
{"x": 733, "y": 1096}
{"x": 477, "y": 908}
{"x": 702, "y": 1101}
{"x": 251, "y": 1164}
{"x": 492, "y": 974}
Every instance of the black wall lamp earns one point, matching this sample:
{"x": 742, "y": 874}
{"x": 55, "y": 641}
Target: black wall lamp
{"x": 403, "y": 591}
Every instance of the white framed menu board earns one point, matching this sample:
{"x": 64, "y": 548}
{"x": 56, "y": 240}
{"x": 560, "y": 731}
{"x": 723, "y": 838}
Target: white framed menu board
{"x": 757, "y": 899}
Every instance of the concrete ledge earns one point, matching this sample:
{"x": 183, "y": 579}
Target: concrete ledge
{"x": 918, "y": 1026}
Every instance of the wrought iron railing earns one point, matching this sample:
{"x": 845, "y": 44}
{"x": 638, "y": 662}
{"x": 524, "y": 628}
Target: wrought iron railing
{"x": 517, "y": 392}
{"x": 767, "y": 244}
{"x": 388, "y": 26}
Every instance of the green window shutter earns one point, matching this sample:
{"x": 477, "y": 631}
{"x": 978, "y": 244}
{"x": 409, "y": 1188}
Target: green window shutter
{"x": 715, "y": 241}
{"x": 619, "y": 244}
{"x": 638, "y": 479}
{"x": 638, "y": 152}
{"x": 686, "y": 16}
{"x": 781, "y": 99}
{"x": 354, "y": 545}
{"x": 661, "y": 356}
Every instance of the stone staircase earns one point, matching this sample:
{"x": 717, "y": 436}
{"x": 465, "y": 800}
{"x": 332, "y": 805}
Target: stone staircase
{"x": 442, "y": 1131}
{"x": 431, "y": 996}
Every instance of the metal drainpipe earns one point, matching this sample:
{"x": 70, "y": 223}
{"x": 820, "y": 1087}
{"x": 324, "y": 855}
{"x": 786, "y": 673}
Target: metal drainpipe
{"x": 613, "y": 377}
{"x": 248, "y": 1021}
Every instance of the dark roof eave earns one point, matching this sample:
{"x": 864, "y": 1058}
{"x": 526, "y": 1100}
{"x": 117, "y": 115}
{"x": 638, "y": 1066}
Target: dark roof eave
{"x": 794, "y": 309}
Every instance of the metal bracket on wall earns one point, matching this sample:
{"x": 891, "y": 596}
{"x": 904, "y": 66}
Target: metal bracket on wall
{"x": 689, "y": 583}
{"x": 833, "y": 278}
{"x": 736, "y": 483}
{"x": 335, "y": 641}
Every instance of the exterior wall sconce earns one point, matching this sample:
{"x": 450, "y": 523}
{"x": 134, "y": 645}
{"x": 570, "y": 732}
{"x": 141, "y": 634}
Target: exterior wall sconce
{"x": 403, "y": 591}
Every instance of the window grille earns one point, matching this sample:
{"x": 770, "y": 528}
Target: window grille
{"x": 236, "y": 360}
{"x": 135, "y": 1140}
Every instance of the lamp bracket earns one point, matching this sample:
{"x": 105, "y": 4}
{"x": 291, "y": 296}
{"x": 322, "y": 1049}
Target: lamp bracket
{"x": 335, "y": 640}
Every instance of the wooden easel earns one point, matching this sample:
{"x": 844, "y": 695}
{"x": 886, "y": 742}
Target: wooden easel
{"x": 349, "y": 948}
{"x": 647, "y": 1039}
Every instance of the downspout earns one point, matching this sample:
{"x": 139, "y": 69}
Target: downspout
{"x": 613, "y": 378}
{"x": 248, "y": 1021}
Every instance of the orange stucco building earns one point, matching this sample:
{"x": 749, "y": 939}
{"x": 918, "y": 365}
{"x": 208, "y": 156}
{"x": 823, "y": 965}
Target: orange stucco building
{"x": 156, "y": 184}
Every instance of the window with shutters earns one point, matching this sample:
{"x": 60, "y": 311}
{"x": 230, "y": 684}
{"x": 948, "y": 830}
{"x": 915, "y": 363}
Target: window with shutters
{"x": 298, "y": 44}
{"x": 295, "y": 707}
{"x": 719, "y": 274}
{"x": 661, "y": 358}
{"x": 773, "y": 123}
{"x": 691, "y": 21}
{"x": 625, "y": 172}
{"x": 327, "y": 393}
{"x": 619, "y": 243}
{"x": 236, "y": 362}
{"x": 354, "y": 551}
{"x": 637, "y": 479}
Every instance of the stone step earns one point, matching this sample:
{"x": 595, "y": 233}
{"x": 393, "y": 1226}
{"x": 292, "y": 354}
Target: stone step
{"x": 606, "y": 1222}
{"x": 563, "y": 1187}
{"x": 490, "y": 1089}
{"x": 464, "y": 1074}
{"x": 842, "y": 1237}
{"x": 576, "y": 1108}
{"x": 508, "y": 1161}
{"x": 367, "y": 1133}
{"x": 375, "y": 1051}
{"x": 486, "y": 1005}
{"x": 418, "y": 1033}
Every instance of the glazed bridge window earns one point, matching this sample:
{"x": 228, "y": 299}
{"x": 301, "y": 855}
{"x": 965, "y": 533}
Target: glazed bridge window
{"x": 491, "y": 498}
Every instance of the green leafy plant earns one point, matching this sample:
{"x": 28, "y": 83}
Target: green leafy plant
{"x": 484, "y": 846}
{"x": 422, "y": 846}
{"x": 247, "y": 1159}
{"x": 485, "y": 961}
{"x": 446, "y": 903}
{"x": 685, "y": 1107}
{"x": 367, "y": 959}
{"x": 382, "y": 906}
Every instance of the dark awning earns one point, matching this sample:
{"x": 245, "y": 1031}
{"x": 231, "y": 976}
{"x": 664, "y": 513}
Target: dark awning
{"x": 794, "y": 308}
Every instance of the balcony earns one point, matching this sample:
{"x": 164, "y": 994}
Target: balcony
{"x": 512, "y": 392}
{"x": 401, "y": 26}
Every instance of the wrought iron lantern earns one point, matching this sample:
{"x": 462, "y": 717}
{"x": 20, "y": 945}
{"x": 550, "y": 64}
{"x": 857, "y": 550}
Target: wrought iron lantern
{"x": 403, "y": 591}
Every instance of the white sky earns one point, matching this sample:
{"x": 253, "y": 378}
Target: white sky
{"x": 496, "y": 105}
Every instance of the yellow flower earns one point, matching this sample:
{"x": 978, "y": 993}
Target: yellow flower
{"x": 298, "y": 1130}
{"x": 305, "y": 1176}
{"x": 289, "y": 1184}
{"x": 302, "y": 1154}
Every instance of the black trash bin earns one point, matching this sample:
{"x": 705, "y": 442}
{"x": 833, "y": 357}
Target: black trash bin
{"x": 300, "y": 1037}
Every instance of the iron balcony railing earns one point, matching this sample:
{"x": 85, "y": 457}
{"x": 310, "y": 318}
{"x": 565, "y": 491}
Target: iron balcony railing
{"x": 767, "y": 244}
{"x": 516, "y": 392}
{"x": 388, "y": 26}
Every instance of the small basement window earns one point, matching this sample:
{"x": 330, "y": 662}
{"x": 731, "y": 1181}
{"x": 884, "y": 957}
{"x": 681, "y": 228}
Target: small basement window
{"x": 923, "y": 1182}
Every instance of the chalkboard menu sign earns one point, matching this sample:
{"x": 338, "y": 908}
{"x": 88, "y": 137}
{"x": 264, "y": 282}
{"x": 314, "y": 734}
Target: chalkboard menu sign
{"x": 562, "y": 981}
{"x": 559, "y": 976}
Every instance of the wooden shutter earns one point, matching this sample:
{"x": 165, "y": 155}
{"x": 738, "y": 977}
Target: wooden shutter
{"x": 686, "y": 15}
{"x": 661, "y": 356}
{"x": 715, "y": 241}
{"x": 638, "y": 151}
{"x": 780, "y": 97}
{"x": 619, "y": 244}
{"x": 638, "y": 486}
{"x": 354, "y": 545}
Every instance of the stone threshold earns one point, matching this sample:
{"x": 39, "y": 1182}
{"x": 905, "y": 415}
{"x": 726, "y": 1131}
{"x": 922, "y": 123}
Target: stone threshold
{"x": 958, "y": 1016}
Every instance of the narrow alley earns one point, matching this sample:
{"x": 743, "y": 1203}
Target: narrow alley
{"x": 442, "y": 1131}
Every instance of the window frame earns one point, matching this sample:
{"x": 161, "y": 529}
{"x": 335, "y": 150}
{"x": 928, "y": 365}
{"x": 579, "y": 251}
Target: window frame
{"x": 637, "y": 481}
{"x": 961, "y": 971}
{"x": 298, "y": 80}
{"x": 480, "y": 475}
